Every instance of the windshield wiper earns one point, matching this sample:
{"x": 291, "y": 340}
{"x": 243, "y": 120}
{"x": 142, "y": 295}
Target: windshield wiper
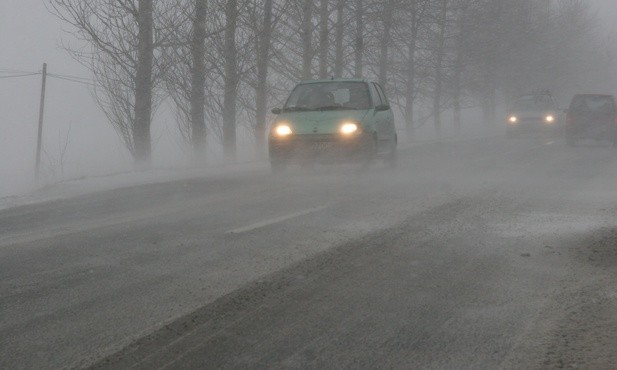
{"x": 332, "y": 107}
{"x": 352, "y": 108}
{"x": 296, "y": 109}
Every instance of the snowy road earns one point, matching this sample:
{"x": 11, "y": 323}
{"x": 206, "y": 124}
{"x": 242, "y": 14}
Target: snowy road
{"x": 478, "y": 254}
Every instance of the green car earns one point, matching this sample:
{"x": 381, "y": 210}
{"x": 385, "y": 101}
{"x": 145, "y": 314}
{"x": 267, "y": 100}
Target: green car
{"x": 328, "y": 121}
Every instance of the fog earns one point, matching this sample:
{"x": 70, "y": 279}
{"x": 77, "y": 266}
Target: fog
{"x": 78, "y": 140}
{"x": 474, "y": 227}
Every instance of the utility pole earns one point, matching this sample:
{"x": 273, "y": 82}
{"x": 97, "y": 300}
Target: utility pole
{"x": 41, "y": 111}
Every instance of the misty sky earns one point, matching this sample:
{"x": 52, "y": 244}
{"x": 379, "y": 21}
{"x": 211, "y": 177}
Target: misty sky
{"x": 29, "y": 36}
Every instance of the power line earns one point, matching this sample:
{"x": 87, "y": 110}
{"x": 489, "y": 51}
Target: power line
{"x": 22, "y": 75}
{"x": 12, "y": 70}
{"x": 74, "y": 77}
{"x": 70, "y": 78}
{"x": 81, "y": 81}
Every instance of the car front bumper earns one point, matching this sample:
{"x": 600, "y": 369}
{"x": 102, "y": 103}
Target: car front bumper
{"x": 321, "y": 148}
{"x": 533, "y": 124}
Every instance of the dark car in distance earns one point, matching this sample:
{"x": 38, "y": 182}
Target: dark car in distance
{"x": 591, "y": 116}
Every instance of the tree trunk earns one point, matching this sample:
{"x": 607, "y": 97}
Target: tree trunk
{"x": 143, "y": 86}
{"x": 307, "y": 34}
{"x": 385, "y": 43}
{"x": 489, "y": 91}
{"x": 456, "y": 110}
{"x": 359, "y": 44}
{"x": 488, "y": 107}
{"x": 261, "y": 91}
{"x": 323, "y": 39}
{"x": 340, "y": 28}
{"x": 410, "y": 89}
{"x": 439, "y": 68}
{"x": 458, "y": 66}
{"x": 231, "y": 82}
{"x": 411, "y": 72}
{"x": 198, "y": 81}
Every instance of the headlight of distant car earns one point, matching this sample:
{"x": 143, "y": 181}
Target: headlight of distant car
{"x": 549, "y": 119}
{"x": 282, "y": 130}
{"x": 513, "y": 119}
{"x": 348, "y": 128}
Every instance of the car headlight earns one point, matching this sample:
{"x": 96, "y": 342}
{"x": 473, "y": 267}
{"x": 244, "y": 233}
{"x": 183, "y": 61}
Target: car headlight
{"x": 549, "y": 119}
{"x": 348, "y": 128}
{"x": 282, "y": 130}
{"x": 513, "y": 119}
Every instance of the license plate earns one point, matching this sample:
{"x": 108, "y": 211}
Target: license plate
{"x": 322, "y": 145}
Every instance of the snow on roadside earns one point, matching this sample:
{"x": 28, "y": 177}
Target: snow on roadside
{"x": 86, "y": 185}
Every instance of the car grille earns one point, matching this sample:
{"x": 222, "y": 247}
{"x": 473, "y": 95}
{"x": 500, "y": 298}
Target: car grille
{"x": 531, "y": 120}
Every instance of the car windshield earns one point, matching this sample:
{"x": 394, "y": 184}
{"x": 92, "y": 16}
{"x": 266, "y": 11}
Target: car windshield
{"x": 592, "y": 103}
{"x": 329, "y": 96}
{"x": 533, "y": 103}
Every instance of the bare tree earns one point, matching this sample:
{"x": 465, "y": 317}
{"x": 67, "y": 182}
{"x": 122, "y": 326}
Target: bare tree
{"x": 223, "y": 61}
{"x": 198, "y": 79}
{"x": 324, "y": 34}
{"x": 307, "y": 35}
{"x": 340, "y": 33}
{"x": 231, "y": 81}
{"x": 122, "y": 37}
{"x": 359, "y": 39}
{"x": 263, "y": 42}
{"x": 416, "y": 11}
{"x": 459, "y": 65}
{"x": 386, "y": 23}
{"x": 143, "y": 83}
{"x": 439, "y": 73}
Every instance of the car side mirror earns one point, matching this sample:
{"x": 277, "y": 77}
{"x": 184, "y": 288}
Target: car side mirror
{"x": 382, "y": 107}
{"x": 276, "y": 110}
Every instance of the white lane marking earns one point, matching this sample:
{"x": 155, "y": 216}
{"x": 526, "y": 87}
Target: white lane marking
{"x": 276, "y": 220}
{"x": 549, "y": 142}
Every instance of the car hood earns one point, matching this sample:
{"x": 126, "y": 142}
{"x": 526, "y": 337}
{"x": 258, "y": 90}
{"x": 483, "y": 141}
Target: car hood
{"x": 321, "y": 122}
{"x": 533, "y": 113}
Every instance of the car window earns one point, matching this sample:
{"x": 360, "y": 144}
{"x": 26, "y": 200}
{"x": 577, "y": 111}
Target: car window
{"x": 534, "y": 103}
{"x": 593, "y": 103}
{"x": 376, "y": 97}
{"x": 382, "y": 95}
{"x": 329, "y": 95}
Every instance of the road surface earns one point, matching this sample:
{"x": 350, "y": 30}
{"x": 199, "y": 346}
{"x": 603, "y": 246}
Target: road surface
{"x": 485, "y": 253}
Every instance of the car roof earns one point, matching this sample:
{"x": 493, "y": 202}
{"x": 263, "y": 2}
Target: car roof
{"x": 333, "y": 80}
{"x": 604, "y": 95}
{"x": 530, "y": 96}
